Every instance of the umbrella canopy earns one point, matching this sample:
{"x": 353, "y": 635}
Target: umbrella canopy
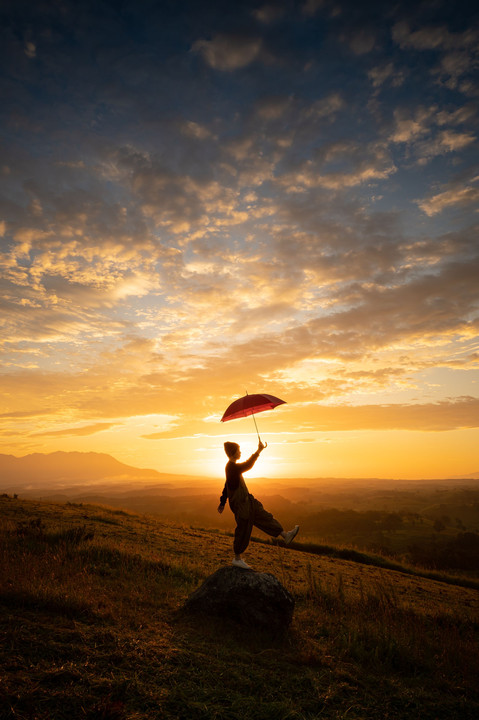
{"x": 249, "y": 405}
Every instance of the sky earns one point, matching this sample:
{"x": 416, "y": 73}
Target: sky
{"x": 203, "y": 199}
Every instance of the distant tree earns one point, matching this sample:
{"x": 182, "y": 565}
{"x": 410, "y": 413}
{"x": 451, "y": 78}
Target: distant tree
{"x": 439, "y": 525}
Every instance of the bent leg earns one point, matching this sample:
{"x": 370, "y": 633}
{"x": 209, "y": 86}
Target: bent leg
{"x": 264, "y": 520}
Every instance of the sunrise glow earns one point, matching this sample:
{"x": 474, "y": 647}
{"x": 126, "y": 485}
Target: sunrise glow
{"x": 282, "y": 198}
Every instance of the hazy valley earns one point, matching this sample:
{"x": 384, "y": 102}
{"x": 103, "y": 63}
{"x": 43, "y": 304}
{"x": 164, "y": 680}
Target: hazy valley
{"x": 431, "y": 523}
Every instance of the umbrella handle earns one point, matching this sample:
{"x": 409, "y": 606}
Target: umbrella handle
{"x": 254, "y": 420}
{"x": 257, "y": 431}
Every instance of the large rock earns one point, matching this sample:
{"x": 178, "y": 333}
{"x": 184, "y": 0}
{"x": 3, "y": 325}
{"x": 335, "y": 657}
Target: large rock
{"x": 251, "y": 598}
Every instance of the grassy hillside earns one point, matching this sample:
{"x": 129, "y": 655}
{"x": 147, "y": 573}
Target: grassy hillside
{"x": 91, "y": 627}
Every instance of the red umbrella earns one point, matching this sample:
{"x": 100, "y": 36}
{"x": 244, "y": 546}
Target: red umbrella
{"x": 249, "y": 405}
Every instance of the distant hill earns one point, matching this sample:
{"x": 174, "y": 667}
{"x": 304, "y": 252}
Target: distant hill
{"x": 70, "y": 468}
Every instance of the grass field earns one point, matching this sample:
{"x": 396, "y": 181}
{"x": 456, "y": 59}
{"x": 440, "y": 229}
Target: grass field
{"x": 92, "y": 626}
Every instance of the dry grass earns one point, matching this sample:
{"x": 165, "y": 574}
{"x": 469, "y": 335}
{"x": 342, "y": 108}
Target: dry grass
{"x": 91, "y": 628}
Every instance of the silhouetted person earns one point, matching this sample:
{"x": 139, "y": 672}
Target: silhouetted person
{"x": 247, "y": 510}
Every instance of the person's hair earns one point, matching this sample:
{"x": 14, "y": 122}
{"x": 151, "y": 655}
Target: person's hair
{"x": 231, "y": 449}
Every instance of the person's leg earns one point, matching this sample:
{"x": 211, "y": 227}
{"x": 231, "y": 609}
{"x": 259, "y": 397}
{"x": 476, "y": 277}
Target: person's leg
{"x": 244, "y": 526}
{"x": 242, "y": 535}
{"x": 265, "y": 521}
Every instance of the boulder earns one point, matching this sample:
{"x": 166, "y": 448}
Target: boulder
{"x": 245, "y": 596}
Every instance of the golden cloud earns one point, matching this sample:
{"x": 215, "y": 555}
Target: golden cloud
{"x": 460, "y": 197}
{"x": 84, "y": 430}
{"x": 431, "y": 417}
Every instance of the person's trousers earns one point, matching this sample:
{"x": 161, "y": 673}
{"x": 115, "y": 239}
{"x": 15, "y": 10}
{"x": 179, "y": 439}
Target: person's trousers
{"x": 258, "y": 517}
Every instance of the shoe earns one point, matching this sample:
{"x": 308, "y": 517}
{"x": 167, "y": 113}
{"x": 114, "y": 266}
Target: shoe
{"x": 289, "y": 537}
{"x": 241, "y": 564}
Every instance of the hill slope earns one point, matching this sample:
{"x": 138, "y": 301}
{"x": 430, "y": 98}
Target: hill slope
{"x": 91, "y": 627}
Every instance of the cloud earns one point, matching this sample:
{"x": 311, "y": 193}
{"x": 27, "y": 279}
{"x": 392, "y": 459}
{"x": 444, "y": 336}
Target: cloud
{"x": 163, "y": 435}
{"x": 178, "y": 202}
{"x": 432, "y": 37}
{"x": 453, "y": 67}
{"x": 30, "y": 49}
{"x": 452, "y": 141}
{"x": 84, "y": 430}
{"x": 270, "y": 280}
{"x": 311, "y": 7}
{"x": 386, "y": 74}
{"x": 228, "y": 52}
{"x": 410, "y": 128}
{"x": 459, "y": 116}
{"x": 301, "y": 441}
{"x": 326, "y": 107}
{"x": 175, "y": 226}
{"x": 360, "y": 40}
{"x": 459, "y": 49}
{"x": 445, "y": 141}
{"x": 195, "y": 130}
{"x": 430, "y": 417}
{"x": 453, "y": 197}
{"x": 16, "y": 415}
{"x": 421, "y": 308}
{"x": 362, "y": 163}
{"x": 424, "y": 133}
{"x": 269, "y": 13}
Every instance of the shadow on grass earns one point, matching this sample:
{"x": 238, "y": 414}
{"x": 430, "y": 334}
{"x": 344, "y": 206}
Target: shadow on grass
{"x": 225, "y": 632}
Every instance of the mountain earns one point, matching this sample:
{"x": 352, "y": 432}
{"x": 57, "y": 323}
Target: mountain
{"x": 64, "y": 469}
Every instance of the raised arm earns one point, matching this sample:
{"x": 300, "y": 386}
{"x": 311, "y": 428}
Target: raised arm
{"x": 248, "y": 464}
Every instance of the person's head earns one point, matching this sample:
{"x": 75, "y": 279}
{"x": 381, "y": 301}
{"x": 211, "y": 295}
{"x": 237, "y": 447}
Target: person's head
{"x": 232, "y": 450}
